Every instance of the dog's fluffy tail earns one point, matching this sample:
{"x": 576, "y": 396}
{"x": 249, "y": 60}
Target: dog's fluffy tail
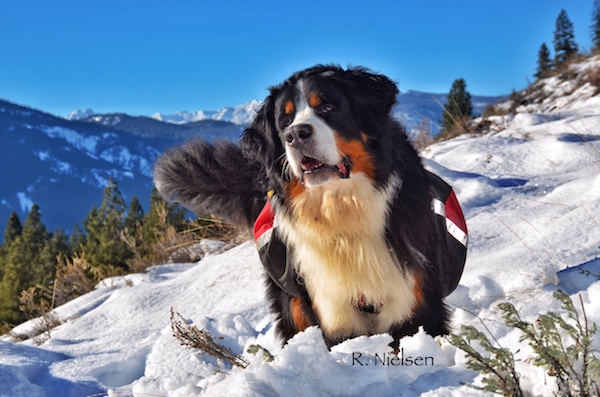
{"x": 213, "y": 178}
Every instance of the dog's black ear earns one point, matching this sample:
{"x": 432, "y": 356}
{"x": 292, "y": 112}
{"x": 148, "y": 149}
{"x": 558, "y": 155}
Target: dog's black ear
{"x": 259, "y": 141}
{"x": 372, "y": 95}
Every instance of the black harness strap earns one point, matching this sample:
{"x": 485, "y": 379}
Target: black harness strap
{"x": 451, "y": 253}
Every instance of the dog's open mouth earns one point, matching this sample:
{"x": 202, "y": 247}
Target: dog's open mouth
{"x": 312, "y": 166}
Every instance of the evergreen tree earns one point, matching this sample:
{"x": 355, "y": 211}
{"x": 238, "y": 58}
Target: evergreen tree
{"x": 45, "y": 270}
{"x": 544, "y": 62}
{"x": 24, "y": 267}
{"x": 77, "y": 239}
{"x": 596, "y": 26}
{"x": 161, "y": 214}
{"x": 11, "y": 232}
{"x": 13, "y": 282}
{"x": 103, "y": 227}
{"x": 135, "y": 214}
{"x": 34, "y": 232}
{"x": 133, "y": 231}
{"x": 13, "y": 228}
{"x": 27, "y": 249}
{"x": 564, "y": 39}
{"x": 458, "y": 108}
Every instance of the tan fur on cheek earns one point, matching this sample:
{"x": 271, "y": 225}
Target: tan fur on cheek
{"x": 356, "y": 151}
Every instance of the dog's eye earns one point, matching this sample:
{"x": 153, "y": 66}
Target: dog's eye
{"x": 326, "y": 108}
{"x": 285, "y": 123}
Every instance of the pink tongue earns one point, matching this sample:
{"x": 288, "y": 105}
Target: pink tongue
{"x": 342, "y": 168}
{"x": 310, "y": 164}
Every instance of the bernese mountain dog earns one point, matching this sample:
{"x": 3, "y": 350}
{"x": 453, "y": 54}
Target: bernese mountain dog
{"x": 350, "y": 198}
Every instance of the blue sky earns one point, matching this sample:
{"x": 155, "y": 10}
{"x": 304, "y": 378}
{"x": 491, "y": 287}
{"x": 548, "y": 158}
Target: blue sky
{"x": 143, "y": 57}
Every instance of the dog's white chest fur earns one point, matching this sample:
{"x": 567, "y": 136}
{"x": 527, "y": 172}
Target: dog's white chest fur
{"x": 338, "y": 235}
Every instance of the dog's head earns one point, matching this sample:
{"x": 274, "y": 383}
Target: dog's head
{"x": 321, "y": 125}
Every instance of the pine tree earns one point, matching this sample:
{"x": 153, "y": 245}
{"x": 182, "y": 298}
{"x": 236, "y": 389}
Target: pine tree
{"x": 13, "y": 282}
{"x": 544, "y": 62}
{"x": 11, "y": 233}
{"x": 133, "y": 230}
{"x": 34, "y": 232}
{"x": 595, "y": 29}
{"x": 13, "y": 228}
{"x": 152, "y": 226}
{"x": 103, "y": 226}
{"x": 564, "y": 39}
{"x": 45, "y": 270}
{"x": 27, "y": 249}
{"x": 135, "y": 214}
{"x": 458, "y": 108}
{"x": 24, "y": 267}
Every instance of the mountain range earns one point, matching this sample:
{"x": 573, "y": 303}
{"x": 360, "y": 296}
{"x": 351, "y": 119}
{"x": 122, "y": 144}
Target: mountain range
{"x": 63, "y": 164}
{"x": 412, "y": 109}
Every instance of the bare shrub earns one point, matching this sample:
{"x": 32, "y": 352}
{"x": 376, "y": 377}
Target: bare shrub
{"x": 35, "y": 304}
{"x": 72, "y": 278}
{"x": 593, "y": 77}
{"x": 195, "y": 338}
{"x": 461, "y": 125}
{"x": 165, "y": 243}
{"x": 423, "y": 136}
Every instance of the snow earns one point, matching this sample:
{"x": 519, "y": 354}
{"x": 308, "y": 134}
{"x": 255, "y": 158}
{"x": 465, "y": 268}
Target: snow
{"x": 573, "y": 279}
{"x": 241, "y": 115}
{"x": 123, "y": 157}
{"x": 530, "y": 192}
{"x": 80, "y": 114}
{"x": 60, "y": 167}
{"x": 85, "y": 143}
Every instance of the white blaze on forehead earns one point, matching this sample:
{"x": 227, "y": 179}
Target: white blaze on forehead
{"x": 324, "y": 146}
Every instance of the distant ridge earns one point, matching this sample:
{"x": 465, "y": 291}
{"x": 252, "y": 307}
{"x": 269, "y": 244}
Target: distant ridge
{"x": 412, "y": 108}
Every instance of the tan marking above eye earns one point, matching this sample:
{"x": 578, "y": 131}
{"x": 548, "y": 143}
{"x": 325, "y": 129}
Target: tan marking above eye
{"x": 314, "y": 100}
{"x": 289, "y": 107}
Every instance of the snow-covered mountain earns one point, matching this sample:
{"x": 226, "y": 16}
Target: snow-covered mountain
{"x": 412, "y": 109}
{"x": 63, "y": 165}
{"x": 241, "y": 115}
{"x": 148, "y": 127}
{"x": 80, "y": 114}
{"x": 530, "y": 188}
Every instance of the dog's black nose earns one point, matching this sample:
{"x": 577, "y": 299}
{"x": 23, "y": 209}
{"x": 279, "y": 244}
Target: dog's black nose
{"x": 298, "y": 134}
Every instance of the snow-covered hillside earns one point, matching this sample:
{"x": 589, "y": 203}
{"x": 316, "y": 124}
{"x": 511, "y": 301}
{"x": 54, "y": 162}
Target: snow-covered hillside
{"x": 531, "y": 193}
